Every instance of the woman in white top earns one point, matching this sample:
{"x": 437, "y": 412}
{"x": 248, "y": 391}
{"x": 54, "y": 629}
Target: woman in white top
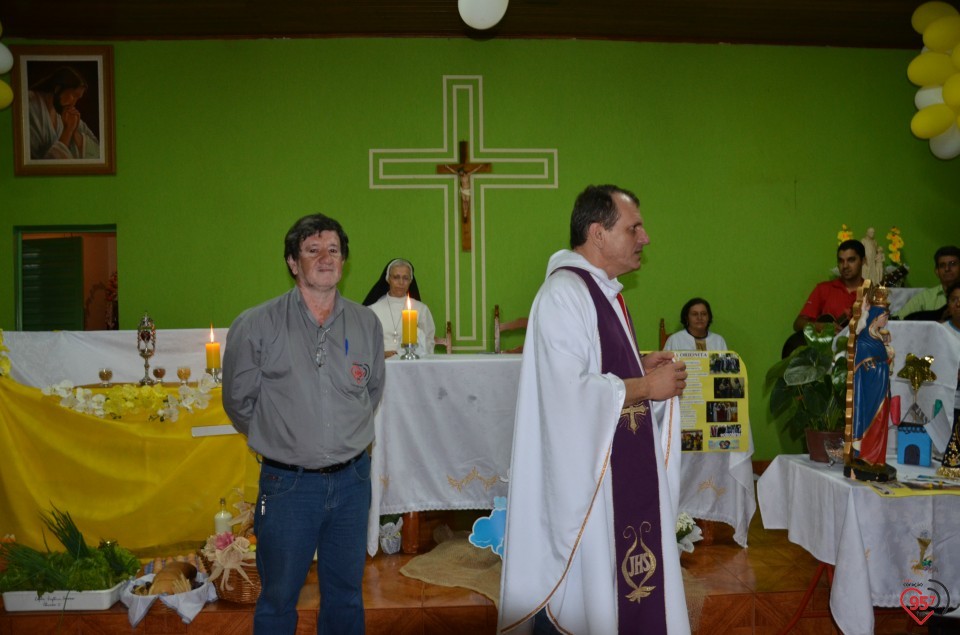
{"x": 696, "y": 318}
{"x": 388, "y": 298}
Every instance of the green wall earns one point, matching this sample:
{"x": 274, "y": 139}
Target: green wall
{"x": 746, "y": 158}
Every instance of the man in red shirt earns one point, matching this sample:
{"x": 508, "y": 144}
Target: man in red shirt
{"x": 834, "y": 298}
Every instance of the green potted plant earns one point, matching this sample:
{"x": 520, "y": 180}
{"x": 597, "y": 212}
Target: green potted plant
{"x": 808, "y": 389}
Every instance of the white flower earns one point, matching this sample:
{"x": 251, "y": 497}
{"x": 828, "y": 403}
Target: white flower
{"x": 206, "y": 383}
{"x": 685, "y": 523}
{"x": 62, "y": 389}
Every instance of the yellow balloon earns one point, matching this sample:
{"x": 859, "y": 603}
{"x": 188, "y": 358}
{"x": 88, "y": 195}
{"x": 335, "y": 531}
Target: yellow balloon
{"x": 930, "y": 69}
{"x": 929, "y": 12}
{"x": 943, "y": 34}
{"x": 951, "y": 91}
{"x": 6, "y": 94}
{"x": 932, "y": 120}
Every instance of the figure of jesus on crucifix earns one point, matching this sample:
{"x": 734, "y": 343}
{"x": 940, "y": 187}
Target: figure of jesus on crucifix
{"x": 464, "y": 170}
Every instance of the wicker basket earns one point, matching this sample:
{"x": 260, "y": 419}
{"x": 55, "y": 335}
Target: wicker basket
{"x": 242, "y": 592}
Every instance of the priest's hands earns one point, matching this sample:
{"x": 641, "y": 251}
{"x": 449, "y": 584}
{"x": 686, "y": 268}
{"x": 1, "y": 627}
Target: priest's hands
{"x": 667, "y": 379}
{"x": 656, "y": 359}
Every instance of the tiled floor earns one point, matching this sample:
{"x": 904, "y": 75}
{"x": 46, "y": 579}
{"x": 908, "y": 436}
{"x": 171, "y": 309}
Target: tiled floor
{"x": 753, "y": 590}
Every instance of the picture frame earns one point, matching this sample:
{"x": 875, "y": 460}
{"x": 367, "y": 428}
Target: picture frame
{"x": 57, "y": 88}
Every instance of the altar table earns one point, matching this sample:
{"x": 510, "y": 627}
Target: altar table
{"x": 444, "y": 434}
{"x": 144, "y": 483}
{"x": 443, "y": 438}
{"x": 879, "y": 545}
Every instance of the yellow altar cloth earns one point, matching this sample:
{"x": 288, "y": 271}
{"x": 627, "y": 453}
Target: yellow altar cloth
{"x": 146, "y": 484}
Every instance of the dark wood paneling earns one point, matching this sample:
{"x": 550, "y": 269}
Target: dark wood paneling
{"x": 849, "y": 23}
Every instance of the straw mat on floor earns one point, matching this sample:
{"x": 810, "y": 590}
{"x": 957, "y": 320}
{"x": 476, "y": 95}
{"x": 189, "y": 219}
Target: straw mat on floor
{"x": 455, "y": 562}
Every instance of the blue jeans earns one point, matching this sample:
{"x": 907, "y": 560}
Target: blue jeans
{"x": 298, "y": 513}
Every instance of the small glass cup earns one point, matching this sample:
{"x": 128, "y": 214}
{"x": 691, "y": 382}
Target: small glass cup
{"x": 183, "y": 372}
{"x": 834, "y": 450}
{"x": 105, "y": 375}
{"x": 159, "y": 372}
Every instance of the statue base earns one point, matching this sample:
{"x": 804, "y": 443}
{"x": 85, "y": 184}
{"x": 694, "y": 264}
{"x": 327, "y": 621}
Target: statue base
{"x": 862, "y": 471}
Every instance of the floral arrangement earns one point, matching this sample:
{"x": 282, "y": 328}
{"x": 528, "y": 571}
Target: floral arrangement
{"x": 687, "y": 532}
{"x": 226, "y": 552}
{"x": 844, "y": 234}
{"x": 130, "y": 399}
{"x": 895, "y": 244}
{"x": 685, "y": 525}
{"x": 4, "y": 360}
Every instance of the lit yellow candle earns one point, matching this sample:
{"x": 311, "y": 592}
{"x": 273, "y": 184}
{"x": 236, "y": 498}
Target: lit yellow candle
{"x": 213, "y": 351}
{"x": 409, "y": 325}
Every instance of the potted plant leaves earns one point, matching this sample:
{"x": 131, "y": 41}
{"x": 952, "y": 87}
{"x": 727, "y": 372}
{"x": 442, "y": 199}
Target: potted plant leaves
{"x": 808, "y": 389}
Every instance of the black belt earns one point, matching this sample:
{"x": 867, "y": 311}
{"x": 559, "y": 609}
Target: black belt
{"x": 330, "y": 469}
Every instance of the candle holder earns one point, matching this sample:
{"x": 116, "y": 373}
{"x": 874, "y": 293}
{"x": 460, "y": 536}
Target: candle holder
{"x": 146, "y": 346}
{"x": 215, "y": 373}
{"x": 409, "y": 352}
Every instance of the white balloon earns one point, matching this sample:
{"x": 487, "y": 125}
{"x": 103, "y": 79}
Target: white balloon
{"x": 482, "y": 14}
{"x": 928, "y": 96}
{"x": 6, "y": 59}
{"x": 946, "y": 145}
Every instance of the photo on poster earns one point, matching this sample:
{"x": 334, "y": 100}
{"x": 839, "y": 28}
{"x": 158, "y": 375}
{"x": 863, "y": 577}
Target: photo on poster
{"x": 729, "y": 430}
{"x": 722, "y": 411}
{"x": 724, "y": 364}
{"x": 724, "y": 444}
{"x": 728, "y": 388}
{"x": 691, "y": 440}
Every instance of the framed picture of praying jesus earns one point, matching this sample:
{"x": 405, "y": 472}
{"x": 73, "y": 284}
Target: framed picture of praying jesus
{"x": 63, "y": 115}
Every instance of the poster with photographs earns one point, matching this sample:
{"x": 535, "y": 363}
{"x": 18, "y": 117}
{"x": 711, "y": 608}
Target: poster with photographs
{"x": 714, "y": 411}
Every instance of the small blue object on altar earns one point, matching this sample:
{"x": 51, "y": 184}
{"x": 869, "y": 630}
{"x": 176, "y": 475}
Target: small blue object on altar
{"x": 914, "y": 445}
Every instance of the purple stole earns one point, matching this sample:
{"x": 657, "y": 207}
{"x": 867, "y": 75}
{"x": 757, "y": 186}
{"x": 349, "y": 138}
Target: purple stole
{"x": 636, "y": 494}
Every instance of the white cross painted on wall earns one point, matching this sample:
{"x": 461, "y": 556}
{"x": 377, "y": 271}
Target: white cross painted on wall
{"x": 416, "y": 168}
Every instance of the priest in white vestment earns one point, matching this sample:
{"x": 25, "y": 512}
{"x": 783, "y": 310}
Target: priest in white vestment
{"x": 561, "y": 568}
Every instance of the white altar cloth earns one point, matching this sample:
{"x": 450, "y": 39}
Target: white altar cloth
{"x": 443, "y": 432}
{"x": 443, "y": 435}
{"x": 44, "y": 358}
{"x": 875, "y": 542}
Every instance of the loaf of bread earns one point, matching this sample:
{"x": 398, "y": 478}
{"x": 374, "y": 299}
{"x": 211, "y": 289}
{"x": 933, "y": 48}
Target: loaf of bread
{"x": 174, "y": 577}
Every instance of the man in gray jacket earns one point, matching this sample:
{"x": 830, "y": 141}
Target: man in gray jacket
{"x": 302, "y": 376}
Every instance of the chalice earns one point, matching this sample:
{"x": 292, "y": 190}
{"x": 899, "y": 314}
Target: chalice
{"x": 159, "y": 372}
{"x": 146, "y": 345}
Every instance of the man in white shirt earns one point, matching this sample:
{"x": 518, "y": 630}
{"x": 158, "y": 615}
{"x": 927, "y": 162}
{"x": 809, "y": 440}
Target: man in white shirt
{"x": 933, "y": 300}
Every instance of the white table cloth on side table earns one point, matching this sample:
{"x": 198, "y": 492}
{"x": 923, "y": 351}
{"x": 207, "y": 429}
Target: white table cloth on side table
{"x": 875, "y": 542}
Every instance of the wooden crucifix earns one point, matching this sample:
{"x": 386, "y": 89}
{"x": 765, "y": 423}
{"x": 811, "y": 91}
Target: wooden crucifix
{"x": 464, "y": 171}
